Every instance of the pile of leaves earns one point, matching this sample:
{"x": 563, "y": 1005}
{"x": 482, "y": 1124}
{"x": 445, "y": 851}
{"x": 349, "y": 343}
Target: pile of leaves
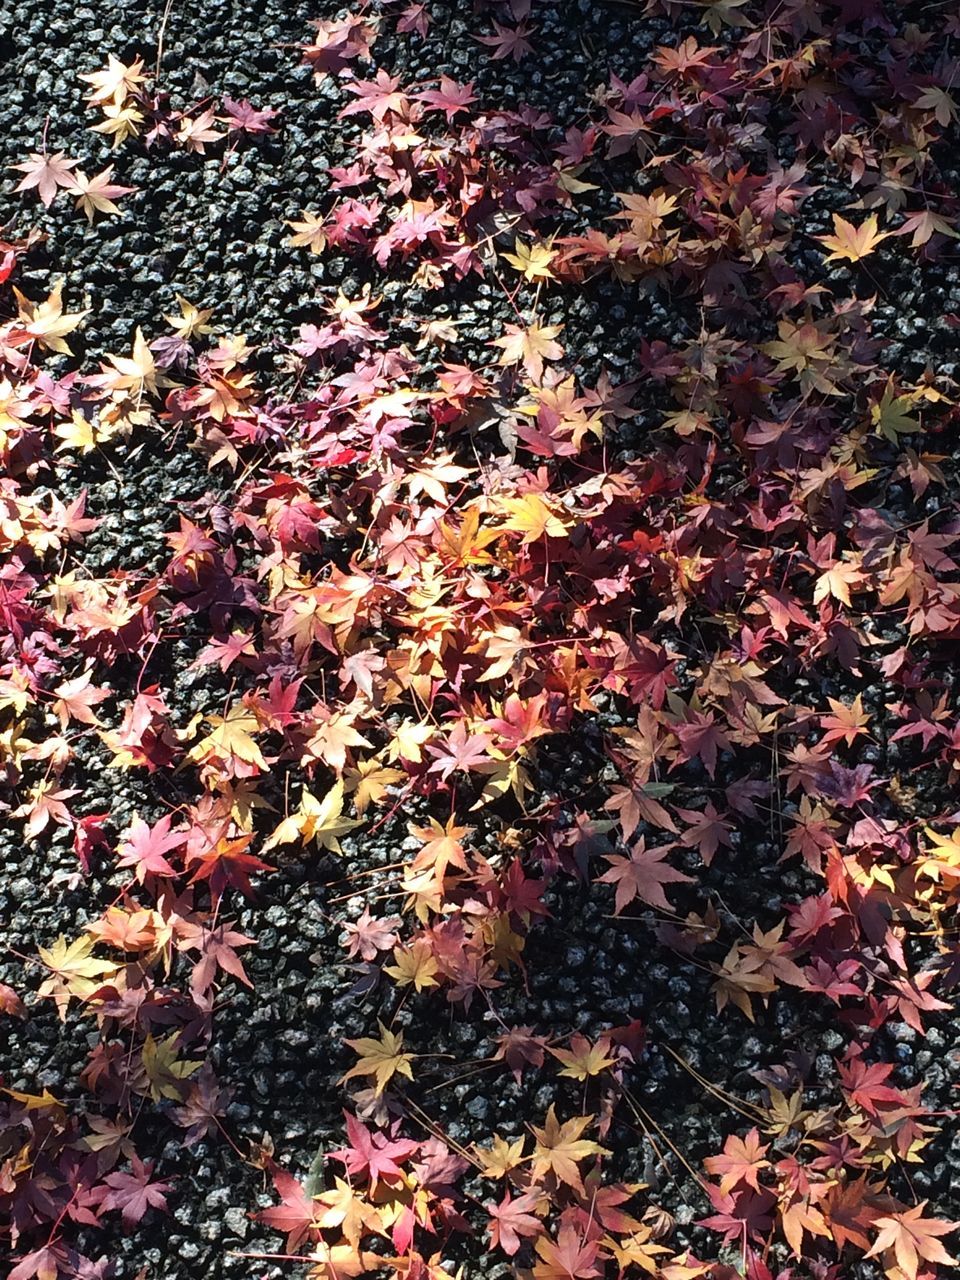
{"x": 430, "y": 570}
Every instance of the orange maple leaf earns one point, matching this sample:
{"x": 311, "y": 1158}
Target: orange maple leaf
{"x": 559, "y": 1149}
{"x": 911, "y": 1236}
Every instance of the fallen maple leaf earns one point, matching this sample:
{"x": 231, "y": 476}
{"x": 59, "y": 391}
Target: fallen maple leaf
{"x": 382, "y": 1059}
{"x": 295, "y": 1215}
{"x": 310, "y": 232}
{"x": 852, "y": 243}
{"x": 10, "y": 1002}
{"x": 559, "y": 1149}
{"x": 508, "y": 42}
{"x": 116, "y": 81}
{"x": 318, "y": 820}
{"x": 165, "y": 1069}
{"x": 372, "y": 1155}
{"x": 642, "y": 875}
{"x": 75, "y": 699}
{"x": 584, "y": 1059}
{"x": 75, "y": 971}
{"x": 413, "y": 966}
{"x": 46, "y": 173}
{"x": 836, "y": 581}
{"x": 529, "y": 345}
{"x": 46, "y": 322}
{"x": 742, "y": 1161}
{"x": 912, "y": 1237}
{"x": 533, "y": 260}
{"x": 230, "y": 738}
{"x": 570, "y": 1257}
{"x": 145, "y": 846}
{"x": 97, "y": 194}
{"x": 512, "y": 1219}
{"x": 535, "y": 518}
{"x": 133, "y": 1193}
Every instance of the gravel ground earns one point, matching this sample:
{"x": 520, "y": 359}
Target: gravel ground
{"x": 214, "y": 233}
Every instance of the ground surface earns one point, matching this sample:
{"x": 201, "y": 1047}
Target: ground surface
{"x": 214, "y": 232}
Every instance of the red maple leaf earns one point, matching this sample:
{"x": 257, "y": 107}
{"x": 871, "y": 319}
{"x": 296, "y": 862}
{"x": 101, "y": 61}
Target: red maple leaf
{"x": 512, "y": 1219}
{"x": 145, "y": 846}
{"x": 520, "y": 894}
{"x": 370, "y": 935}
{"x": 642, "y": 875}
{"x": 133, "y": 1193}
{"x": 373, "y": 1155}
{"x": 295, "y": 1215}
{"x": 741, "y": 1215}
{"x": 509, "y": 42}
{"x": 701, "y": 737}
{"x": 519, "y": 1048}
{"x": 226, "y": 862}
{"x": 88, "y": 836}
{"x": 378, "y": 96}
{"x": 449, "y": 98}
{"x": 570, "y": 1258}
{"x": 243, "y": 117}
{"x": 864, "y": 1085}
{"x": 832, "y": 981}
{"x": 460, "y": 752}
{"x": 710, "y": 830}
{"x": 218, "y": 950}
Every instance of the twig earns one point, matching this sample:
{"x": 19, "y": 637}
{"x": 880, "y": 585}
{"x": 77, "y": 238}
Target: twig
{"x": 160, "y": 34}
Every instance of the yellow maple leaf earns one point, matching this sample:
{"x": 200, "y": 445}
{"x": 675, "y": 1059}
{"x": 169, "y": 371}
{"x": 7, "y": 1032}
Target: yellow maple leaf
{"x": 560, "y": 1148}
{"x": 382, "y": 1059}
{"x": 164, "y": 1070}
{"x": 464, "y": 546}
{"x": 584, "y": 1059}
{"x": 532, "y": 516}
{"x": 529, "y": 345}
{"x": 368, "y": 783}
{"x": 309, "y": 233}
{"x": 344, "y": 1208}
{"x": 46, "y": 322}
{"x": 500, "y": 1158}
{"x": 37, "y": 1101}
{"x": 319, "y": 820}
{"x": 533, "y": 260}
{"x": 837, "y": 581}
{"x": 424, "y": 893}
{"x": 79, "y": 433}
{"x": 192, "y": 321}
{"x": 75, "y": 971}
{"x": 135, "y": 373}
{"x": 851, "y": 243}
{"x": 123, "y": 120}
{"x": 943, "y": 860}
{"x": 413, "y": 966}
{"x": 230, "y": 740}
{"x": 639, "y": 1249}
{"x": 408, "y": 737}
{"x": 116, "y": 81}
